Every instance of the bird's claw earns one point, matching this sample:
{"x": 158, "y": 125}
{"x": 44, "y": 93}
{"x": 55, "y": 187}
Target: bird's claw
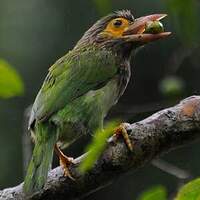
{"x": 121, "y": 130}
{"x": 65, "y": 162}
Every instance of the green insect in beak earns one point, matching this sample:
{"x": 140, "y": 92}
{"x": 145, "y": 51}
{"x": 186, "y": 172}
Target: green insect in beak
{"x": 154, "y": 27}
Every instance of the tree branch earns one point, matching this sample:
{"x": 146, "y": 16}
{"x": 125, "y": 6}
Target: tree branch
{"x": 157, "y": 134}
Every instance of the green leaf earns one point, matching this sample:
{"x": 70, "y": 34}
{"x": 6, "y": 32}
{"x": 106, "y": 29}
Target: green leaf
{"x": 10, "y": 82}
{"x": 172, "y": 86}
{"x": 190, "y": 191}
{"x": 97, "y": 145}
{"x": 154, "y": 193}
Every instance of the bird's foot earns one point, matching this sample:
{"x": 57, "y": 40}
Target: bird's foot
{"x": 65, "y": 162}
{"x": 121, "y": 130}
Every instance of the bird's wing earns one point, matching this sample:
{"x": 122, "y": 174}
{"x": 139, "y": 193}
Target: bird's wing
{"x": 69, "y": 78}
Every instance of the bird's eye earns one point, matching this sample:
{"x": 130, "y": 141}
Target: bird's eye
{"x": 116, "y": 27}
{"x": 117, "y": 23}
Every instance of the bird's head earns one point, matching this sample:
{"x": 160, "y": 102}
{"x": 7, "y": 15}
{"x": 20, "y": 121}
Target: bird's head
{"x": 120, "y": 32}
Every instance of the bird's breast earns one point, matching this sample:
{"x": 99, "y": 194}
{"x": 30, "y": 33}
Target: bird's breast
{"x": 124, "y": 76}
{"x": 115, "y": 88}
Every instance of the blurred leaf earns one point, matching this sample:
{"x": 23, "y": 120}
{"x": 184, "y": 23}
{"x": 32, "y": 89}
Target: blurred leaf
{"x": 97, "y": 145}
{"x": 155, "y": 193}
{"x": 190, "y": 191}
{"x": 103, "y": 6}
{"x": 10, "y": 82}
{"x": 185, "y": 17}
{"x": 172, "y": 86}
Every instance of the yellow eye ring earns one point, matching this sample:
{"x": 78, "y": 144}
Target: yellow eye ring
{"x": 116, "y": 27}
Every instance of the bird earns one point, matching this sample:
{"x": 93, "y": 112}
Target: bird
{"x": 81, "y": 87}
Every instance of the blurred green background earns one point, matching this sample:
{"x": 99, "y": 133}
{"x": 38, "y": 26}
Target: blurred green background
{"x": 35, "y": 33}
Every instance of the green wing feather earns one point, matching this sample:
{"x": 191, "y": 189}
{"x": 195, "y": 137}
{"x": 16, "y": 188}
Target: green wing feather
{"x": 70, "y": 77}
{"x": 42, "y": 157}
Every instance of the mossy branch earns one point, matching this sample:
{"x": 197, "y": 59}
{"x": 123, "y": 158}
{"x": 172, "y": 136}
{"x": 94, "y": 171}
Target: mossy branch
{"x": 162, "y": 132}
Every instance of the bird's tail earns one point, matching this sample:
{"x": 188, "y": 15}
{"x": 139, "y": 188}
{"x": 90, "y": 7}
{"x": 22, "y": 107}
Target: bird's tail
{"x": 41, "y": 159}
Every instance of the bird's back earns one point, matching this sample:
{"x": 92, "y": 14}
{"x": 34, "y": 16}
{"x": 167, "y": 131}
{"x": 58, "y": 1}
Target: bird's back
{"x": 71, "y": 77}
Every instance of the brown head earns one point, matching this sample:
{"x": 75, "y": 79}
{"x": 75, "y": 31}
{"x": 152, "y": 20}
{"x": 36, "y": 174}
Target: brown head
{"x": 120, "y": 32}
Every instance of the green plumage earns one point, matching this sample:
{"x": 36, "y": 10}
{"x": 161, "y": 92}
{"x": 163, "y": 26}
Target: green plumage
{"x": 41, "y": 158}
{"x": 72, "y": 76}
{"x": 77, "y": 94}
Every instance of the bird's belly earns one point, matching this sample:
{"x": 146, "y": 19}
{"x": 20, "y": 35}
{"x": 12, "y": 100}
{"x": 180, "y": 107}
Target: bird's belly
{"x": 80, "y": 117}
{"x": 86, "y": 113}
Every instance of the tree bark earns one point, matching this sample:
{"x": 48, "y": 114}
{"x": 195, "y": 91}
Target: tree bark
{"x": 162, "y": 132}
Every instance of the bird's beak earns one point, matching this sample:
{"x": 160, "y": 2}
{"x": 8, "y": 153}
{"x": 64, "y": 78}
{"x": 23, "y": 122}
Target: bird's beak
{"x": 136, "y": 31}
